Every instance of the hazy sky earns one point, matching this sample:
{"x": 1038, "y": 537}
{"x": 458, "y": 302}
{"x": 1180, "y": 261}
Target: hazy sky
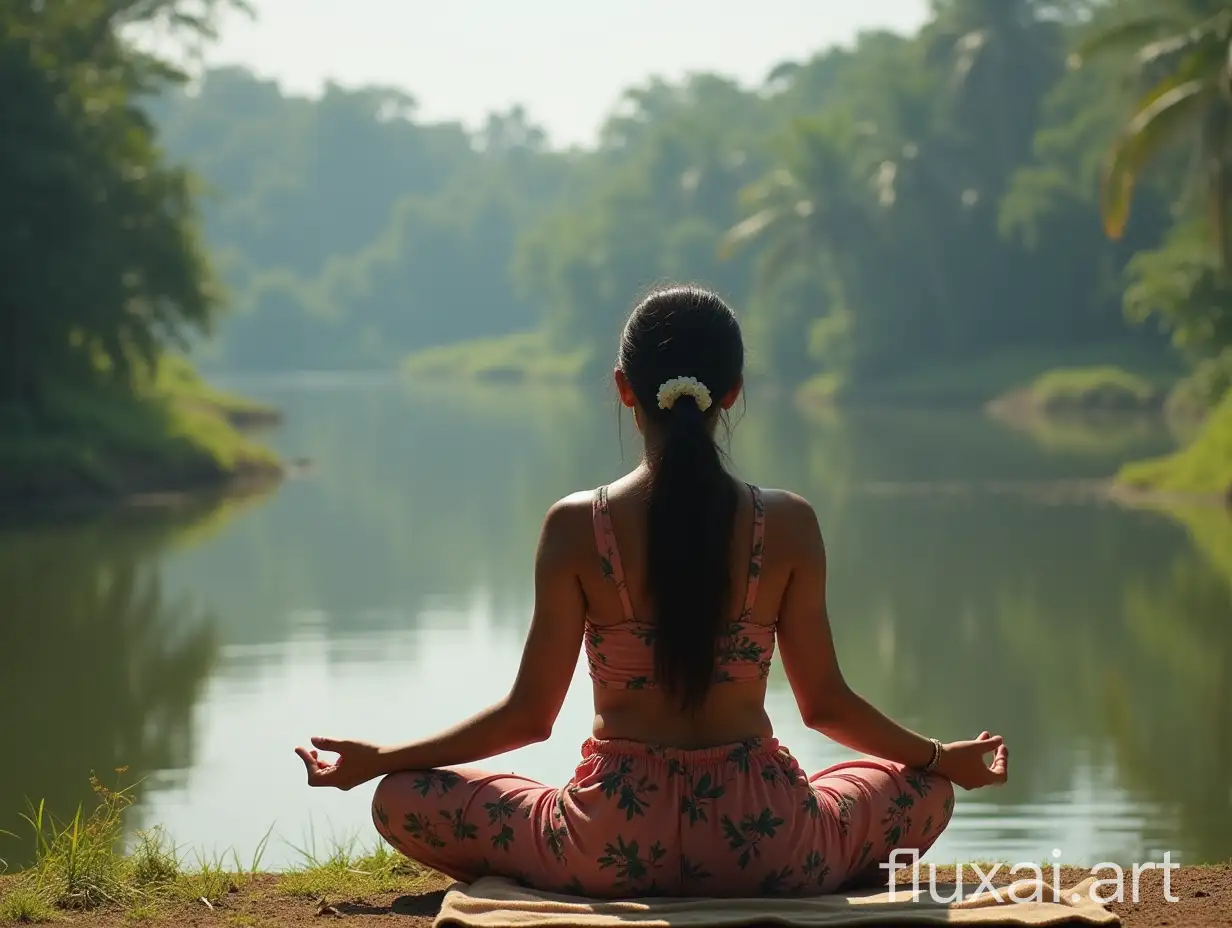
{"x": 566, "y": 60}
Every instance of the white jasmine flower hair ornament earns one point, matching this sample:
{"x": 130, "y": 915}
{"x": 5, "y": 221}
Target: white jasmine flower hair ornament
{"x": 677, "y": 387}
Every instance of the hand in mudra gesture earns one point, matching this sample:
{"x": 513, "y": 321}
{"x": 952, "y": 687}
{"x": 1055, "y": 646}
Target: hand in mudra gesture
{"x": 357, "y": 763}
{"x": 965, "y": 764}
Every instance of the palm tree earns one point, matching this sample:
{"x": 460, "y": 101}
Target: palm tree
{"x": 1188, "y": 76}
{"x": 999, "y": 56}
{"x": 808, "y": 206}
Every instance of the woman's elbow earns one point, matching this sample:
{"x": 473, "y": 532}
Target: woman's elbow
{"x": 530, "y": 724}
{"x": 828, "y": 710}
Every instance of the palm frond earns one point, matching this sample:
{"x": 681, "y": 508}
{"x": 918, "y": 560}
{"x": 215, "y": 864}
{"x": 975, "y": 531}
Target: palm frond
{"x": 1153, "y": 126}
{"x": 746, "y": 231}
{"x": 1129, "y": 36}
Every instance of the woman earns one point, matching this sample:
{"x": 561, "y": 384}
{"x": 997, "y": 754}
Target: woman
{"x": 676, "y": 579}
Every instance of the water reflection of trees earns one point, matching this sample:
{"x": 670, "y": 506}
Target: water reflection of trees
{"x": 1067, "y": 627}
{"x": 98, "y": 667}
{"x": 1169, "y": 714}
{"x": 415, "y": 497}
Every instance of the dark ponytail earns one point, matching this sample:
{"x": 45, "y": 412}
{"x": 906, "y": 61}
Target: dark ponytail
{"x": 686, "y": 332}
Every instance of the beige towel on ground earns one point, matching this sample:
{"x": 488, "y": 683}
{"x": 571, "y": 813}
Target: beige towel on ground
{"x": 494, "y": 902}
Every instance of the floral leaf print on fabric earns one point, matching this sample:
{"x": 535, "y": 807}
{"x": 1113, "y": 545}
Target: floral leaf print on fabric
{"x": 740, "y": 649}
{"x": 772, "y": 882}
{"x": 595, "y": 639}
{"x": 693, "y": 804}
{"x": 381, "y": 816}
{"x": 812, "y": 806}
{"x": 503, "y": 838}
{"x": 499, "y": 813}
{"x": 746, "y": 836}
{"x": 770, "y": 773}
{"x": 742, "y": 753}
{"x": 500, "y": 810}
{"x": 845, "y": 806}
{"x": 864, "y": 852}
{"x": 436, "y": 781}
{"x": 897, "y": 819}
{"x": 755, "y": 559}
{"x": 815, "y": 869}
{"x": 462, "y": 829}
{"x": 631, "y": 868}
{"x": 646, "y": 634}
{"x": 692, "y": 872}
{"x": 555, "y": 838}
{"x": 633, "y": 793}
{"x": 920, "y": 782}
{"x": 421, "y": 829}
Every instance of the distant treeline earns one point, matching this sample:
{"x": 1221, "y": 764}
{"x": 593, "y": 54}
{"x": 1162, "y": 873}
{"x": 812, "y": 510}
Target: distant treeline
{"x": 910, "y": 200}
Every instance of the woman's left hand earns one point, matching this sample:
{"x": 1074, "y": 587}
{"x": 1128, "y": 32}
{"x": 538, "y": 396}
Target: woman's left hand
{"x": 357, "y": 763}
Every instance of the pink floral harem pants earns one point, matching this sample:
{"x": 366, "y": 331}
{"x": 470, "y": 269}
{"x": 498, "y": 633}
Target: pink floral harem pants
{"x": 637, "y": 820}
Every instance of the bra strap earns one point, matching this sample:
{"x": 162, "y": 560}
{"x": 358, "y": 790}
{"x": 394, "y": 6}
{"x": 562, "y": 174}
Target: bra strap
{"x": 609, "y": 554}
{"x": 755, "y": 556}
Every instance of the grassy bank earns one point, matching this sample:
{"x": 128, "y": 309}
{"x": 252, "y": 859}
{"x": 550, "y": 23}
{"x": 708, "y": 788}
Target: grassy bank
{"x": 172, "y": 434}
{"x": 1203, "y": 467}
{"x": 79, "y": 874}
{"x": 523, "y": 357}
{"x": 79, "y": 878}
{"x": 1079, "y": 375}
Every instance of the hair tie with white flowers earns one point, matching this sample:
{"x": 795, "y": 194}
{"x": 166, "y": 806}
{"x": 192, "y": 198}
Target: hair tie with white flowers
{"x": 677, "y": 387}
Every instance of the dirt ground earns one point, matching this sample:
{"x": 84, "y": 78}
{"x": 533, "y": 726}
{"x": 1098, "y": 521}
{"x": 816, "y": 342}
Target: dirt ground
{"x": 1204, "y": 899}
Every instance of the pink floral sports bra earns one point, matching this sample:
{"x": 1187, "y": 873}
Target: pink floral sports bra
{"x": 622, "y": 655}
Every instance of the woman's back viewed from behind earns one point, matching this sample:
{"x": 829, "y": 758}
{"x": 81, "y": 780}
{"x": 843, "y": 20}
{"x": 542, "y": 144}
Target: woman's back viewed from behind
{"x": 676, "y": 581}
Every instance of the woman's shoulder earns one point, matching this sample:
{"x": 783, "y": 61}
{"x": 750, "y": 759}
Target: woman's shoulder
{"x": 788, "y": 504}
{"x": 571, "y": 509}
{"x": 789, "y": 514}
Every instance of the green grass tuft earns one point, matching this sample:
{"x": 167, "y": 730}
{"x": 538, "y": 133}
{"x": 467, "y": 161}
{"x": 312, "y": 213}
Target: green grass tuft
{"x": 78, "y": 863}
{"x": 23, "y": 903}
{"x": 143, "y": 911}
{"x": 523, "y": 357}
{"x": 211, "y": 880}
{"x": 345, "y": 870}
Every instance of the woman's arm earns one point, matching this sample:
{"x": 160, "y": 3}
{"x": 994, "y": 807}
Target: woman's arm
{"x": 527, "y": 714}
{"x": 827, "y": 704}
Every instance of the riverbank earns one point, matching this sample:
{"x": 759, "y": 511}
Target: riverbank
{"x": 172, "y": 436}
{"x": 523, "y": 357}
{"x": 80, "y": 877}
{"x": 412, "y": 899}
{"x": 1079, "y": 377}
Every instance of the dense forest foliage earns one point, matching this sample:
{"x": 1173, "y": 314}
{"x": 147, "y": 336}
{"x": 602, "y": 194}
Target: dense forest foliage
{"x": 103, "y": 268}
{"x": 909, "y": 203}
{"x": 910, "y": 200}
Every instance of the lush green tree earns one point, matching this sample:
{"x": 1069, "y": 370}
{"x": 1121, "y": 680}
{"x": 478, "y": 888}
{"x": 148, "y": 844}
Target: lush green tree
{"x": 1182, "y": 86}
{"x": 907, "y": 201}
{"x": 103, "y": 268}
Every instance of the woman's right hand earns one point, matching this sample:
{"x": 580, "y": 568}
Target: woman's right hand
{"x": 963, "y": 762}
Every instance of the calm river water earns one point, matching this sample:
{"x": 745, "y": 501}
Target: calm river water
{"x": 386, "y": 593}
